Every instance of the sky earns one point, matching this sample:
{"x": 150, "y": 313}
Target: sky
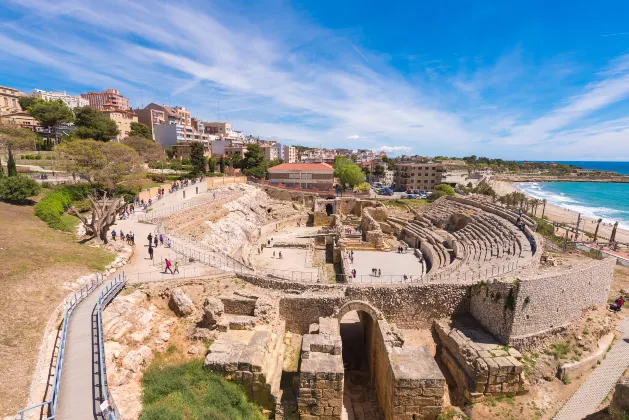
{"x": 512, "y": 80}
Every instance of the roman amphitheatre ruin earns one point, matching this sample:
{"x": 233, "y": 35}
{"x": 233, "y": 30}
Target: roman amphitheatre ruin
{"x": 342, "y": 307}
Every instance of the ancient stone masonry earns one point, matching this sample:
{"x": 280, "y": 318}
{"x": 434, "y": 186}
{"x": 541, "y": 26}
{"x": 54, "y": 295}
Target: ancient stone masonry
{"x": 407, "y": 379}
{"x": 619, "y": 405}
{"x": 524, "y": 312}
{"x": 321, "y": 373}
{"x": 249, "y": 348}
{"x": 479, "y": 364}
{"x": 371, "y": 226}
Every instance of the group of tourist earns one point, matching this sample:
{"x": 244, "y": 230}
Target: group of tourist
{"x": 350, "y": 230}
{"x": 402, "y": 249}
{"x": 129, "y": 237}
{"x": 350, "y": 256}
{"x": 128, "y": 210}
{"x": 168, "y": 264}
{"x": 280, "y": 255}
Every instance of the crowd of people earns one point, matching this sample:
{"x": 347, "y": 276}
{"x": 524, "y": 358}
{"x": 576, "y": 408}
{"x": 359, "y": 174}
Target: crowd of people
{"x": 129, "y": 237}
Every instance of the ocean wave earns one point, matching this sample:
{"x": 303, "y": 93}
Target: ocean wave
{"x": 561, "y": 199}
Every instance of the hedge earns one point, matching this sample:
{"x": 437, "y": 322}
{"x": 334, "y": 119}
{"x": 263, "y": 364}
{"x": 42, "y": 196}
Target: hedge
{"x": 55, "y": 203}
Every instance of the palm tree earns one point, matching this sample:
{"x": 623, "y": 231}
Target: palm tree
{"x": 598, "y": 224}
{"x": 543, "y": 208}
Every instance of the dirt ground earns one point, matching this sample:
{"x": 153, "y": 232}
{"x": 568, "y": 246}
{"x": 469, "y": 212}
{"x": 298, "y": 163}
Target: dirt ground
{"x": 36, "y": 261}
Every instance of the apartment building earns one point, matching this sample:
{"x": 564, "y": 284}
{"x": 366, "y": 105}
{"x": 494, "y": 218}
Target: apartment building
{"x": 303, "y": 175}
{"x": 270, "y": 151}
{"x": 109, "y": 100}
{"x": 19, "y": 119}
{"x": 219, "y": 128}
{"x": 123, "y": 120}
{"x": 289, "y": 154}
{"x": 9, "y": 103}
{"x": 71, "y": 101}
{"x": 151, "y": 117}
{"x": 418, "y": 176}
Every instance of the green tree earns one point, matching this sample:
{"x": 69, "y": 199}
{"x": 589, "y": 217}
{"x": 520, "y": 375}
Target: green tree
{"x": 149, "y": 150}
{"x": 18, "y": 188}
{"x": 26, "y": 101}
{"x": 348, "y": 173}
{"x": 234, "y": 160}
{"x": 51, "y": 114}
{"x": 274, "y": 162}
{"x": 94, "y": 124}
{"x": 107, "y": 164}
{"x": 379, "y": 171}
{"x": 256, "y": 172}
{"x": 441, "y": 190}
{"x": 222, "y": 164}
{"x": 351, "y": 176}
{"x": 11, "y": 167}
{"x": 197, "y": 157}
{"x": 212, "y": 164}
{"x": 140, "y": 130}
{"x": 254, "y": 157}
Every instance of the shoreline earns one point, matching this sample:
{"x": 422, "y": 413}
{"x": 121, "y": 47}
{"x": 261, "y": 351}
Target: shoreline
{"x": 609, "y": 180}
{"x": 560, "y": 214}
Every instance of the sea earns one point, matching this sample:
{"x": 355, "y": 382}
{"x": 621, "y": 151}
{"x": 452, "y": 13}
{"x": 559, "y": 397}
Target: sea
{"x": 607, "y": 200}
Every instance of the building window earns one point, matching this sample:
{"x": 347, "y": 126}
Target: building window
{"x": 6, "y": 101}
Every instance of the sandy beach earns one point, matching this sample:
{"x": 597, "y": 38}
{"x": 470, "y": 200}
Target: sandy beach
{"x": 561, "y": 215}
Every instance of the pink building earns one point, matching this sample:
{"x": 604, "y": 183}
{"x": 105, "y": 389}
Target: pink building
{"x": 109, "y": 100}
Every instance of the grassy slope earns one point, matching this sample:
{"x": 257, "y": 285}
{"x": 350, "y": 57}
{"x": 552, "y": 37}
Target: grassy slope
{"x": 187, "y": 391}
{"x": 36, "y": 261}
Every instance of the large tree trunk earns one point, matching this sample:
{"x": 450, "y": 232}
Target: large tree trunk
{"x": 103, "y": 216}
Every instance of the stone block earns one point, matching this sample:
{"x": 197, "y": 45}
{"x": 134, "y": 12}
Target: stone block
{"x": 504, "y": 364}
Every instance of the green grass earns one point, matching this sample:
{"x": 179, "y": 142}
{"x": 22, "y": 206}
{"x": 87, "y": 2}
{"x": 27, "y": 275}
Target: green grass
{"x": 559, "y": 350}
{"x": 187, "y": 391}
{"x": 69, "y": 222}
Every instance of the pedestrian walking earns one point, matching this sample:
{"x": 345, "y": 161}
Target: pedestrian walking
{"x": 168, "y": 263}
{"x": 150, "y": 252}
{"x": 121, "y": 235}
{"x": 379, "y": 272}
{"x": 280, "y": 255}
{"x": 273, "y": 254}
{"x": 161, "y": 239}
{"x": 132, "y": 238}
{"x": 113, "y": 235}
{"x": 176, "y": 267}
{"x": 155, "y": 241}
{"x": 150, "y": 238}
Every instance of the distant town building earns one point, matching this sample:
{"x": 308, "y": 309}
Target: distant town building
{"x": 9, "y": 103}
{"x": 289, "y": 154}
{"x": 19, "y": 119}
{"x": 71, "y": 101}
{"x": 303, "y": 175}
{"x": 109, "y": 100}
{"x": 182, "y": 150}
{"x": 270, "y": 152}
{"x": 123, "y": 120}
{"x": 219, "y": 128}
{"x": 418, "y": 176}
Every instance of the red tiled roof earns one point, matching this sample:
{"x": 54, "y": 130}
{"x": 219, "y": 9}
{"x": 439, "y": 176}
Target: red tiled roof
{"x": 302, "y": 167}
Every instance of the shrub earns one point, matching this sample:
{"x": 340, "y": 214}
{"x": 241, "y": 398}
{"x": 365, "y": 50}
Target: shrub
{"x": 56, "y": 202}
{"x": 188, "y": 391}
{"x": 18, "y": 188}
{"x": 158, "y": 178}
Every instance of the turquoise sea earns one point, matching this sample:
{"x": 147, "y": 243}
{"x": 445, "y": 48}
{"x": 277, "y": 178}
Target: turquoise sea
{"x": 609, "y": 201}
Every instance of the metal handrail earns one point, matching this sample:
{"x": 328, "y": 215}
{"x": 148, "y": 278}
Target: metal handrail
{"x": 104, "y": 299}
{"x": 74, "y": 300}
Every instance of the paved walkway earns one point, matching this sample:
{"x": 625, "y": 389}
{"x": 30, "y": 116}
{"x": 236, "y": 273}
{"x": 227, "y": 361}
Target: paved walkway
{"x": 76, "y": 396}
{"x": 599, "y": 384}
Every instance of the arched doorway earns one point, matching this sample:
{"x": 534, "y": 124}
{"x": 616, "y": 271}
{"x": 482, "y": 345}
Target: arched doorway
{"x": 329, "y": 209}
{"x": 357, "y": 325}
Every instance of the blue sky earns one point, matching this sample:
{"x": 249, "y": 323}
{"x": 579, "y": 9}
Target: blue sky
{"x": 517, "y": 80}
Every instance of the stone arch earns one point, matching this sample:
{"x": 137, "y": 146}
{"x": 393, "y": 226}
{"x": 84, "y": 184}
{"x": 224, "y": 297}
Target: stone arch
{"x": 359, "y": 305}
{"x": 329, "y": 209}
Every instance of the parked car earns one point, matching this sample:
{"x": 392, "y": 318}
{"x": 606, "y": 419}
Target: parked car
{"x": 415, "y": 191}
{"x": 409, "y": 191}
{"x": 386, "y": 192}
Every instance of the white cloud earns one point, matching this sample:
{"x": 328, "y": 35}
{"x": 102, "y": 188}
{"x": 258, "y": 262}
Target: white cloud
{"x": 395, "y": 150}
{"x": 305, "y": 84}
